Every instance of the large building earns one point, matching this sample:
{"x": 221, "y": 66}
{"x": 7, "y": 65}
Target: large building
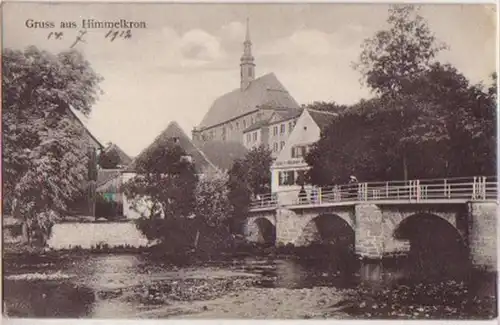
{"x": 290, "y": 165}
{"x": 248, "y": 107}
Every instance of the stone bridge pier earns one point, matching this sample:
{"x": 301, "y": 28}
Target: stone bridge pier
{"x": 381, "y": 229}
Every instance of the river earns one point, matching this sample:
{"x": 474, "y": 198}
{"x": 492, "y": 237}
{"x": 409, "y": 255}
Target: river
{"x": 137, "y": 286}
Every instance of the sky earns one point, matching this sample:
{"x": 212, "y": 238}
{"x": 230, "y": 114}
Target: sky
{"x": 188, "y": 55}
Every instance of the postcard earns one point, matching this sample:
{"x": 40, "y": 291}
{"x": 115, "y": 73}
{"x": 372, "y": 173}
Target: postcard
{"x": 249, "y": 161}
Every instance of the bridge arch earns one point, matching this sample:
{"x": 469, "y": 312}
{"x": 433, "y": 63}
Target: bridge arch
{"x": 262, "y": 230}
{"x": 327, "y": 229}
{"x": 436, "y": 246}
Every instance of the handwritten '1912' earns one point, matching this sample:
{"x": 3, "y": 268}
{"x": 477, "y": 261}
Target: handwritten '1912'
{"x": 111, "y": 35}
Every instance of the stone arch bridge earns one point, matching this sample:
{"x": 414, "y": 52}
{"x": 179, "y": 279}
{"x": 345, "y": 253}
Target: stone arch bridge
{"x": 376, "y": 215}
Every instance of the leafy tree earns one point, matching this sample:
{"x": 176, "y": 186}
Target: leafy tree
{"x": 391, "y": 62}
{"x": 448, "y": 127}
{"x": 248, "y": 177}
{"x": 165, "y": 185}
{"x": 45, "y": 150}
{"x": 239, "y": 196}
{"x": 165, "y": 181}
{"x": 257, "y": 163}
{"x": 212, "y": 208}
{"x": 394, "y": 58}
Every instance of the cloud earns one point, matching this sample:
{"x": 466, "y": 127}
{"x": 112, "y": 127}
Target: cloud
{"x": 199, "y": 45}
{"x": 233, "y": 31}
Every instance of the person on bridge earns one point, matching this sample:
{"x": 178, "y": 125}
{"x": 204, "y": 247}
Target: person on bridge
{"x": 353, "y": 189}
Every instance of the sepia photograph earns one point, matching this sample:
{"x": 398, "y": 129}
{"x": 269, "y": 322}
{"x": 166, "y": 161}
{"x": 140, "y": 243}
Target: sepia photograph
{"x": 249, "y": 161}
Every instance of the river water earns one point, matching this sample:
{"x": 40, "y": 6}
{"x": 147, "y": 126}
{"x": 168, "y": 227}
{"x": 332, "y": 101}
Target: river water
{"x": 136, "y": 286}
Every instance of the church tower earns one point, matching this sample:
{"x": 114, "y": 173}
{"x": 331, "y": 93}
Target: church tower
{"x": 247, "y": 67}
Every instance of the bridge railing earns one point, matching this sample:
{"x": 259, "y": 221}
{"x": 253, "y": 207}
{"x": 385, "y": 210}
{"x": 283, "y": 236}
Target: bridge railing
{"x": 264, "y": 201}
{"x": 464, "y": 188}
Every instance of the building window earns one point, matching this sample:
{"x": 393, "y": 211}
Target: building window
{"x": 299, "y": 151}
{"x": 275, "y": 147}
{"x": 290, "y": 127}
{"x": 286, "y": 178}
{"x": 244, "y": 124}
{"x": 255, "y": 136}
{"x": 282, "y": 144}
{"x": 282, "y": 128}
{"x": 248, "y": 138}
{"x": 237, "y": 126}
{"x": 275, "y": 130}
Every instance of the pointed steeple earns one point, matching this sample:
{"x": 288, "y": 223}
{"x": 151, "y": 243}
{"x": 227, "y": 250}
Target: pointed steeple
{"x": 247, "y": 66}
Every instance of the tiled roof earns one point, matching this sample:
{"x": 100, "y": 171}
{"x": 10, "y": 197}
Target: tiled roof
{"x": 265, "y": 91}
{"x": 172, "y": 131}
{"x": 124, "y": 158}
{"x": 256, "y": 125}
{"x": 322, "y": 119}
{"x": 223, "y": 153}
{"x": 284, "y": 115}
{"x": 87, "y": 131}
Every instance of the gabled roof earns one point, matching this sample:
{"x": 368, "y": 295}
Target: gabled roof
{"x": 265, "y": 91}
{"x": 322, "y": 119}
{"x": 223, "y": 153}
{"x": 257, "y": 125}
{"x": 124, "y": 158}
{"x": 174, "y": 131}
{"x": 79, "y": 121}
{"x": 283, "y": 115}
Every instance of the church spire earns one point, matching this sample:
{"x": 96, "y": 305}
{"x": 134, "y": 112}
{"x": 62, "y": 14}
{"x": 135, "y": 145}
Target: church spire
{"x": 247, "y": 66}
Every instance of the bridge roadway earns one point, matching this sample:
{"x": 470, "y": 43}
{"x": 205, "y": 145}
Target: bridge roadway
{"x": 377, "y": 213}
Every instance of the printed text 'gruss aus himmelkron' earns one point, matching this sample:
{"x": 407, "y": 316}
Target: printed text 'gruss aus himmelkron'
{"x": 89, "y": 24}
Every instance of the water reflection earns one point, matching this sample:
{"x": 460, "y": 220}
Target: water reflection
{"x": 100, "y": 286}
{"x": 47, "y": 299}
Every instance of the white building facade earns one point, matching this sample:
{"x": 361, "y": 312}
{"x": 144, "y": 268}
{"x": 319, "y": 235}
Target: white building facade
{"x": 289, "y": 168}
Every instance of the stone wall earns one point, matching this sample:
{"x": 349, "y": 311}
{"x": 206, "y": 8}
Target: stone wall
{"x": 483, "y": 234}
{"x": 289, "y": 226}
{"x": 369, "y": 231}
{"x": 87, "y": 235}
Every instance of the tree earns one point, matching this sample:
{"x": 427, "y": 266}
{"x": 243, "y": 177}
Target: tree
{"x": 248, "y": 177}
{"x": 393, "y": 58}
{"x": 45, "y": 151}
{"x": 165, "y": 181}
{"x": 239, "y": 196}
{"x": 213, "y": 208}
{"x": 449, "y": 127}
{"x": 392, "y": 61}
